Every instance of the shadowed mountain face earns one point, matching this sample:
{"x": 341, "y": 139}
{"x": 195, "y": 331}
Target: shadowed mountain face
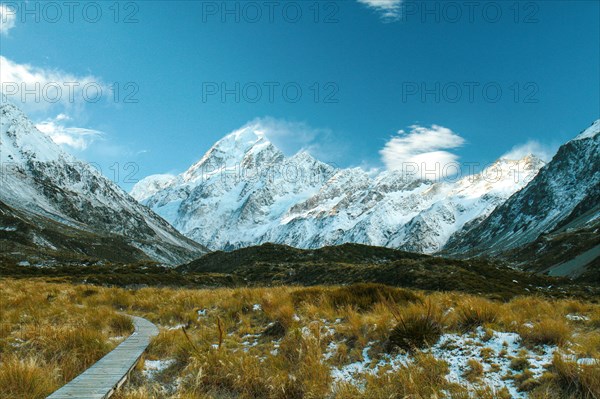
{"x": 554, "y": 219}
{"x": 51, "y": 201}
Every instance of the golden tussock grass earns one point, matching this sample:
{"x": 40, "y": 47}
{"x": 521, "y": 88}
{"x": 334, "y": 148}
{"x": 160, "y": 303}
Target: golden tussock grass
{"x": 283, "y": 342}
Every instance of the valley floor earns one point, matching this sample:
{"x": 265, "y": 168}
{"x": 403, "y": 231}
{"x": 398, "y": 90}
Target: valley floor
{"x": 359, "y": 341}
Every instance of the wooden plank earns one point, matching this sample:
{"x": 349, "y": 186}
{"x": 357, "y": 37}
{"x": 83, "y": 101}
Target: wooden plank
{"x": 103, "y": 378}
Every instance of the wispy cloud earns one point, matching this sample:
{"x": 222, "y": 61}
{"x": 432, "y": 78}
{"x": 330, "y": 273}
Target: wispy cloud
{"x": 389, "y": 10}
{"x": 68, "y": 136}
{"x": 422, "y": 151}
{"x": 7, "y": 19}
{"x": 291, "y": 137}
{"x": 38, "y": 89}
{"x": 532, "y": 147}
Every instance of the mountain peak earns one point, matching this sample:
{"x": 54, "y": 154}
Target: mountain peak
{"x": 21, "y": 141}
{"x": 590, "y": 132}
{"x": 51, "y": 186}
{"x": 528, "y": 161}
{"x": 303, "y": 156}
{"x": 247, "y": 135}
{"x": 236, "y": 148}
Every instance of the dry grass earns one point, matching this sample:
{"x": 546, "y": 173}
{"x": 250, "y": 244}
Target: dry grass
{"x": 547, "y": 332}
{"x": 48, "y": 338}
{"x": 474, "y": 371}
{"x": 284, "y": 342}
{"x": 474, "y": 312}
{"x": 578, "y": 380}
{"x": 26, "y": 378}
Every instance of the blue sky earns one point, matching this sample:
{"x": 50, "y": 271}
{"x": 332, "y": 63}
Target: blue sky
{"x": 379, "y": 67}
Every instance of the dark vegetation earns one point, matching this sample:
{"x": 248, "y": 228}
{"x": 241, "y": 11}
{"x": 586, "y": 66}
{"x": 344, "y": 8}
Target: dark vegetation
{"x": 274, "y": 265}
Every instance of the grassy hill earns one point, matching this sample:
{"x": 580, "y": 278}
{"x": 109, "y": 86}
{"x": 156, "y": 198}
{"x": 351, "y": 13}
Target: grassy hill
{"x": 278, "y": 265}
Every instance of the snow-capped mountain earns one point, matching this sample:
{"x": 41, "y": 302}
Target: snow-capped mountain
{"x": 244, "y": 191}
{"x": 565, "y": 195}
{"x": 42, "y": 182}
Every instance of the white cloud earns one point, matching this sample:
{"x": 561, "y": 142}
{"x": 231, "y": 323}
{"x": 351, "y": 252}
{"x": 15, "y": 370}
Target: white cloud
{"x": 390, "y": 10}
{"x": 532, "y": 147}
{"x": 420, "y": 152}
{"x": 291, "y": 137}
{"x": 7, "y": 19}
{"x": 38, "y": 89}
{"x": 75, "y": 137}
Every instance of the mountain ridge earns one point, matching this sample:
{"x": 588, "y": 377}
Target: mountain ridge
{"x": 244, "y": 191}
{"x": 565, "y": 190}
{"x": 39, "y": 179}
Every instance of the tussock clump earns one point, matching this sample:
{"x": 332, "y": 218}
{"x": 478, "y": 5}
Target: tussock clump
{"x": 73, "y": 349}
{"x": 275, "y": 330}
{"x": 418, "y": 326}
{"x": 166, "y": 343}
{"x": 476, "y": 312}
{"x": 520, "y": 363}
{"x": 547, "y": 332}
{"x": 26, "y": 378}
{"x": 582, "y": 381}
{"x": 121, "y": 324}
{"x": 474, "y": 370}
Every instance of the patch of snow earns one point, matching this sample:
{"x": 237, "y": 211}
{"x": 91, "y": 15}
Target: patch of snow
{"x": 494, "y": 354}
{"x": 576, "y": 317}
{"x": 177, "y": 327}
{"x": 154, "y": 367}
{"x": 588, "y": 361}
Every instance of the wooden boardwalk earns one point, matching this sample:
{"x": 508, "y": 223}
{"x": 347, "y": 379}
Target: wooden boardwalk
{"x": 109, "y": 373}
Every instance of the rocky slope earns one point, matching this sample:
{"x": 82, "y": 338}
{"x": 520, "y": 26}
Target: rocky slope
{"x": 55, "y": 195}
{"x": 562, "y": 198}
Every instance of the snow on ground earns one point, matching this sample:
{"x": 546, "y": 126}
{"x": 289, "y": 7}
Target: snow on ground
{"x": 177, "y": 327}
{"x": 577, "y": 317}
{"x": 494, "y": 352}
{"x": 153, "y": 367}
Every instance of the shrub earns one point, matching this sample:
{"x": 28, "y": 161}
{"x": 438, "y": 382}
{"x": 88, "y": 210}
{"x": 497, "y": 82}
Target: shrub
{"x": 275, "y": 330}
{"x": 418, "y": 326}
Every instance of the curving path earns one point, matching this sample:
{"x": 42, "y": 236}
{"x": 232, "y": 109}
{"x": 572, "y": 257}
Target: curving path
{"x": 106, "y": 376}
